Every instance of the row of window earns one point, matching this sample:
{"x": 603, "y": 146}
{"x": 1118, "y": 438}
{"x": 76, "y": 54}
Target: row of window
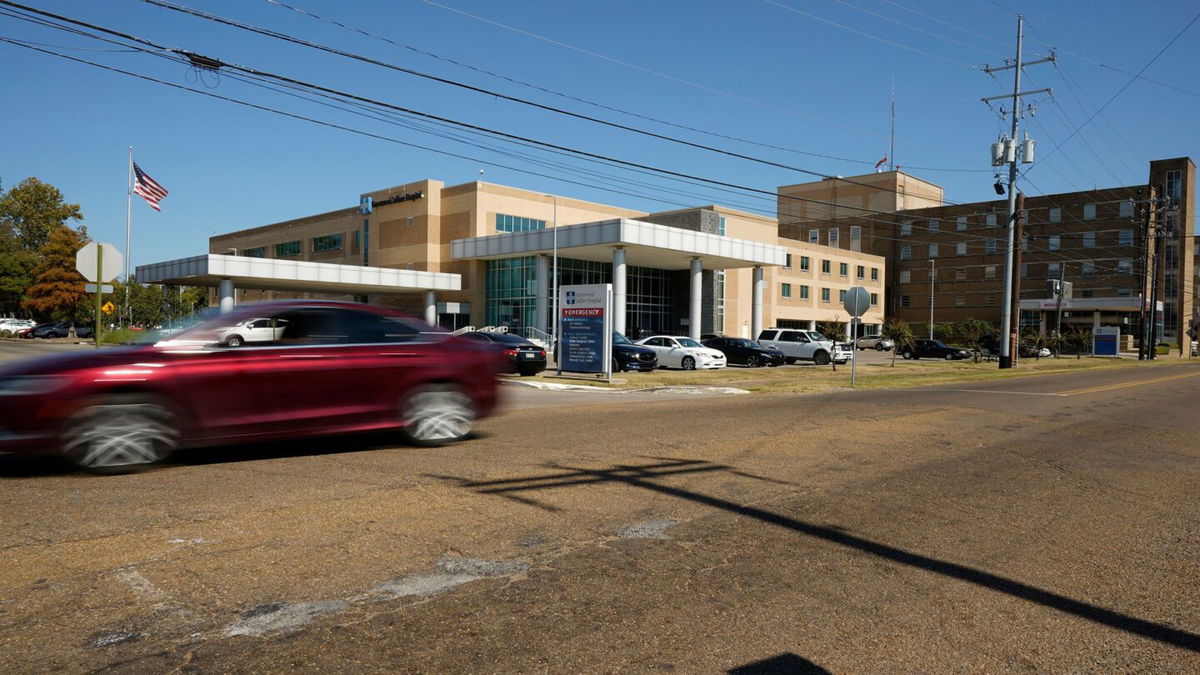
{"x": 1055, "y": 215}
{"x": 860, "y": 271}
{"x": 990, "y": 298}
{"x": 834, "y": 237}
{"x": 990, "y": 246}
{"x": 507, "y": 223}
{"x": 1053, "y": 270}
{"x": 785, "y": 291}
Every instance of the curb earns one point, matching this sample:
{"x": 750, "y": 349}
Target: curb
{"x": 553, "y": 386}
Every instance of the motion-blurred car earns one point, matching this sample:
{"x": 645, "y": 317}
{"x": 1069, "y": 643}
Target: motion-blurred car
{"x": 746, "y": 352}
{"x": 337, "y": 368}
{"x": 934, "y": 349}
{"x": 876, "y": 342}
{"x": 524, "y": 357}
{"x": 14, "y": 325}
{"x": 683, "y": 352}
{"x": 57, "y": 329}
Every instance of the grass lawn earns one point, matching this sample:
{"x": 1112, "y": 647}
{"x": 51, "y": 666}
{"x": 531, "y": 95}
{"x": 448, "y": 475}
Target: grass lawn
{"x": 874, "y": 374}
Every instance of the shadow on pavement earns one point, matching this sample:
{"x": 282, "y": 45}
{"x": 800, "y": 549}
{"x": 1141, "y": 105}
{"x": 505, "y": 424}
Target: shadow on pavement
{"x": 643, "y": 477}
{"x": 788, "y": 663}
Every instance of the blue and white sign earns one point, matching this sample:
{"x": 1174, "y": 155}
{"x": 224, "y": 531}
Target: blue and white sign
{"x": 585, "y": 329}
{"x": 1106, "y": 341}
{"x": 365, "y": 206}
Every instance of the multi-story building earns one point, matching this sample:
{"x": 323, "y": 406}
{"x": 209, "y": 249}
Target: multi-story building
{"x": 947, "y": 260}
{"x": 505, "y": 243}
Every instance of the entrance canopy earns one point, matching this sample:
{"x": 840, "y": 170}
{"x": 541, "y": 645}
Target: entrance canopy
{"x": 271, "y": 274}
{"x": 645, "y": 245}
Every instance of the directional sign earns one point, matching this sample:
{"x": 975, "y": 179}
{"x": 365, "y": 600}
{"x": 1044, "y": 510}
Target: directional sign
{"x": 857, "y": 301}
{"x": 85, "y": 262}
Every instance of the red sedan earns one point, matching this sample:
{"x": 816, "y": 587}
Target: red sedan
{"x": 335, "y": 368}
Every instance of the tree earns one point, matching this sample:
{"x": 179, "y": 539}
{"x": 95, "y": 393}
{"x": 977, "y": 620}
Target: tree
{"x": 973, "y": 333}
{"x": 900, "y": 333}
{"x": 29, "y": 214}
{"x": 57, "y": 288}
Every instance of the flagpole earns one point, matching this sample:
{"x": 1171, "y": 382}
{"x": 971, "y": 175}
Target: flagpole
{"x": 128, "y": 230}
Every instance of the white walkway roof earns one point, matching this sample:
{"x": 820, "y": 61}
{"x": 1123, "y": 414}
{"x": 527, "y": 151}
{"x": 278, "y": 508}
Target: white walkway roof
{"x": 293, "y": 275}
{"x": 646, "y": 245}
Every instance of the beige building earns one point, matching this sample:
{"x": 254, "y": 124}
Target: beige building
{"x": 505, "y": 238}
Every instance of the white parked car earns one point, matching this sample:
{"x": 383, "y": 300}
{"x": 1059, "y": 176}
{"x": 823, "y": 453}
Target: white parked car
{"x": 14, "y": 325}
{"x": 252, "y": 330}
{"x": 682, "y": 352}
{"x": 876, "y": 342}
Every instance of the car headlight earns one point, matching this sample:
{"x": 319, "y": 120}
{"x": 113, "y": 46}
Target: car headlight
{"x": 31, "y": 385}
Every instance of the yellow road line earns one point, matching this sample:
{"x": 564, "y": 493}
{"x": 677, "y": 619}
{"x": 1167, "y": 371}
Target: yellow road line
{"x": 1122, "y": 385}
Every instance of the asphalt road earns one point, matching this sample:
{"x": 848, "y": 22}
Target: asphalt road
{"x": 1043, "y": 523}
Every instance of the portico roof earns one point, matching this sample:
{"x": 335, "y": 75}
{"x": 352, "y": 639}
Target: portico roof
{"x": 645, "y": 244}
{"x": 273, "y": 274}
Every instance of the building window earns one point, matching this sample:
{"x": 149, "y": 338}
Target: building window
{"x": 905, "y": 276}
{"x": 256, "y": 252}
{"x": 933, "y": 250}
{"x": 721, "y": 226}
{"x": 824, "y": 295}
{"x": 1125, "y": 238}
{"x": 991, "y": 220}
{"x": 1125, "y": 266}
{"x": 1174, "y": 187}
{"x": 787, "y": 261}
{"x": 860, "y": 271}
{"x": 1127, "y": 208}
{"x": 1124, "y": 292}
{"x": 961, "y": 223}
{"x": 989, "y": 299}
{"x": 934, "y": 224}
{"x": 875, "y": 273}
{"x": 826, "y": 266}
{"x": 1089, "y": 240}
{"x": 287, "y": 249}
{"x": 834, "y": 237}
{"x": 855, "y": 238}
{"x": 1055, "y": 243}
{"x": 906, "y": 252}
{"x": 785, "y": 290}
{"x": 1056, "y": 215}
{"x": 905, "y": 229}
{"x": 842, "y": 295}
{"x": 814, "y": 236}
{"x": 989, "y": 271}
{"x": 1086, "y": 293}
{"x": 804, "y": 292}
{"x": 874, "y": 299}
{"x": 329, "y": 242}
{"x": 1024, "y": 270}
{"x": 1024, "y": 244}
{"x": 960, "y": 274}
{"x": 843, "y": 269}
{"x": 960, "y": 248}
{"x": 804, "y": 263}
{"x": 507, "y": 223}
{"x": 1089, "y": 211}
{"x": 1053, "y": 271}
{"x": 989, "y": 246}
{"x": 960, "y": 300}
{"x": 408, "y": 222}
{"x": 905, "y": 301}
{"x": 1089, "y": 267}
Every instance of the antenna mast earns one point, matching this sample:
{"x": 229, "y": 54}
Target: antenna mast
{"x": 892, "y": 144}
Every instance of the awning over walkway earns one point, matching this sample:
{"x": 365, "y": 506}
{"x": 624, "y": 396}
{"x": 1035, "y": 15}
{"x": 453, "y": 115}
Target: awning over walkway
{"x": 645, "y": 244}
{"x": 271, "y": 274}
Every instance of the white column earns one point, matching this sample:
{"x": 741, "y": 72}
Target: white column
{"x": 431, "y": 308}
{"x": 541, "y": 309}
{"x": 225, "y": 291}
{"x": 1096, "y": 321}
{"x": 694, "y": 300}
{"x": 756, "y": 304}
{"x": 619, "y": 290}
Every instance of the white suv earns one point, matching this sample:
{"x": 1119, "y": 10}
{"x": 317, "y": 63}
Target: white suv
{"x": 803, "y": 345}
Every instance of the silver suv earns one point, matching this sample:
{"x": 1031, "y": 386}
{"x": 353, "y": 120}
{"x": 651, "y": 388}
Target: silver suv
{"x": 801, "y": 345}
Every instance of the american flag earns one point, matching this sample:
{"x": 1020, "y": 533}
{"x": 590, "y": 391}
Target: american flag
{"x": 145, "y": 186}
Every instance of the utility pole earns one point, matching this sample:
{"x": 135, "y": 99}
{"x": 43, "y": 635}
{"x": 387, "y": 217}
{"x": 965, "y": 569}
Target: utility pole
{"x": 1144, "y": 257}
{"x": 1014, "y": 350}
{"x": 1062, "y": 290}
{"x": 932, "y": 281}
{"x": 1009, "y": 156}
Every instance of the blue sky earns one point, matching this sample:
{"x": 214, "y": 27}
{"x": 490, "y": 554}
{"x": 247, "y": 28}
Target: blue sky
{"x": 796, "y": 78}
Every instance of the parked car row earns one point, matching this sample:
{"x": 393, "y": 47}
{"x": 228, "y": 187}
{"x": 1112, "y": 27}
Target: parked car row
{"x": 54, "y": 329}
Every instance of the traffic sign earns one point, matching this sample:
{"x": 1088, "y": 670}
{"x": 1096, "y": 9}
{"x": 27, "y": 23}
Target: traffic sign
{"x": 857, "y": 301}
{"x": 91, "y": 288}
{"x": 108, "y": 308}
{"x": 85, "y": 262}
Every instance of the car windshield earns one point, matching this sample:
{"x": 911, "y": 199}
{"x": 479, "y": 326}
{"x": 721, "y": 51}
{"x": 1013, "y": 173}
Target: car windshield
{"x": 688, "y": 342}
{"x": 937, "y": 343}
{"x": 619, "y": 339}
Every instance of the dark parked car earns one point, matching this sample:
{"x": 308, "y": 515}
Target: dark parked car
{"x": 524, "y": 357}
{"x": 85, "y": 331}
{"x": 934, "y": 349}
{"x": 337, "y": 368}
{"x": 628, "y": 356}
{"x": 746, "y": 352}
{"x": 58, "y": 329}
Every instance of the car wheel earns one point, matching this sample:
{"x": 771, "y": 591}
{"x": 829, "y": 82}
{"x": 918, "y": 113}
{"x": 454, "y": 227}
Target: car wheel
{"x": 907, "y": 354}
{"x": 949, "y": 357}
{"x": 233, "y": 341}
{"x": 688, "y": 363}
{"x": 791, "y": 361}
{"x": 821, "y": 358}
{"x": 120, "y": 434}
{"x": 434, "y": 415}
{"x": 878, "y": 347}
{"x": 753, "y": 361}
{"x": 616, "y": 365}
